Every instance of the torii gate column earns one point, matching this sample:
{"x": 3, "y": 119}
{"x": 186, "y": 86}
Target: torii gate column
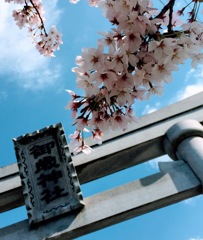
{"x": 184, "y": 141}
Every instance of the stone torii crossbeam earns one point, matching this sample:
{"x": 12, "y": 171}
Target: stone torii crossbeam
{"x": 175, "y": 130}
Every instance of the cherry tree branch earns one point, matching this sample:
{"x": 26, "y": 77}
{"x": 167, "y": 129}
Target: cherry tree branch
{"x": 40, "y": 17}
{"x": 131, "y": 62}
{"x": 166, "y": 8}
{"x": 170, "y": 25}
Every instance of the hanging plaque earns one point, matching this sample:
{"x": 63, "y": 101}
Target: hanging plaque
{"x": 49, "y": 180}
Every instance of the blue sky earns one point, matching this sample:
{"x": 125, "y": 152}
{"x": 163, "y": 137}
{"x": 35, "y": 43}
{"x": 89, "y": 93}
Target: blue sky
{"x": 32, "y": 96}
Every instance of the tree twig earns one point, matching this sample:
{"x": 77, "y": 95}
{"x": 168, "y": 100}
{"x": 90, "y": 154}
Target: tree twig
{"x": 41, "y": 20}
{"x": 165, "y": 8}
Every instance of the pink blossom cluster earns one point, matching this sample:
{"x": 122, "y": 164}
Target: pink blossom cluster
{"x": 132, "y": 61}
{"x": 31, "y": 16}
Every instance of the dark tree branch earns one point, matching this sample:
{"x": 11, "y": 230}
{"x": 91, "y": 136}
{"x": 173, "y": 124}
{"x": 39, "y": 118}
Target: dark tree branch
{"x": 41, "y": 20}
{"x": 170, "y": 24}
{"x": 166, "y": 8}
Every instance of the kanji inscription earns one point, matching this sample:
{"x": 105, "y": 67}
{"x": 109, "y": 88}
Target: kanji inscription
{"x": 46, "y": 171}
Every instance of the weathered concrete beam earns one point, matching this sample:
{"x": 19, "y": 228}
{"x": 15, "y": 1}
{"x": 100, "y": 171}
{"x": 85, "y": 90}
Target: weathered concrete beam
{"x": 184, "y": 140}
{"x": 130, "y": 149}
{"x": 119, "y": 151}
{"x": 175, "y": 183}
{"x": 147, "y": 132}
{"x": 11, "y": 194}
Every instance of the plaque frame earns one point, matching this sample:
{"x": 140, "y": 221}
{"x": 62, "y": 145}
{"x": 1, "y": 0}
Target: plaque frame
{"x": 49, "y": 180}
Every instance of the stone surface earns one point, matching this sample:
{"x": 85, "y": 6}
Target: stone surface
{"x": 178, "y": 133}
{"x": 184, "y": 140}
{"x": 49, "y": 181}
{"x": 175, "y": 183}
{"x": 148, "y": 133}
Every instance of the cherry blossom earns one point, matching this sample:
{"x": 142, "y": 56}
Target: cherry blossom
{"x": 31, "y": 16}
{"x": 131, "y": 62}
{"x": 84, "y": 148}
{"x": 143, "y": 49}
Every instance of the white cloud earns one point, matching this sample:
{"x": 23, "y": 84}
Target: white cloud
{"x": 190, "y": 90}
{"x": 18, "y": 57}
{"x": 196, "y": 76}
{"x": 192, "y": 201}
{"x": 189, "y": 74}
{"x": 41, "y": 79}
{"x": 178, "y": 4}
{"x": 189, "y": 201}
{"x": 149, "y": 109}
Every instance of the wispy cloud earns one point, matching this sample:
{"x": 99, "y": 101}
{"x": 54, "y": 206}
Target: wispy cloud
{"x": 19, "y": 60}
{"x": 149, "y": 108}
{"x": 178, "y": 5}
{"x": 192, "y": 201}
{"x": 195, "y": 77}
{"x": 189, "y": 201}
{"x": 190, "y": 90}
{"x": 42, "y": 79}
{"x": 189, "y": 74}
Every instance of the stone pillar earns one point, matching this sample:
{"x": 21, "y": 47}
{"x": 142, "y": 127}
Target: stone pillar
{"x": 184, "y": 141}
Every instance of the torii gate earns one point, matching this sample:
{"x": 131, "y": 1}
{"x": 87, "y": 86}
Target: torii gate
{"x": 175, "y": 130}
